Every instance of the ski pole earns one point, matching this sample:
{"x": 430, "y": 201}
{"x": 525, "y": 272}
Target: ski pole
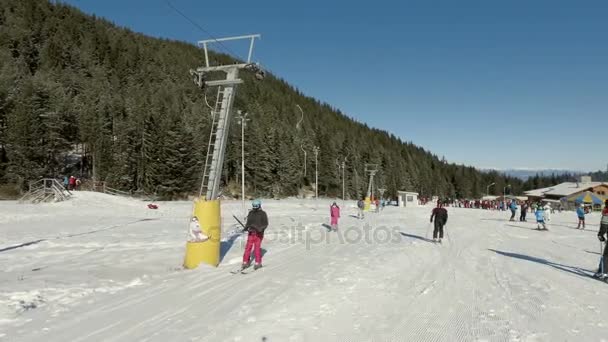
{"x": 601, "y": 258}
{"x": 241, "y": 223}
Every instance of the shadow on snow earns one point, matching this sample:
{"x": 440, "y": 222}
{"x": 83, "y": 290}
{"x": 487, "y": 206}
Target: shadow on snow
{"x": 565, "y": 268}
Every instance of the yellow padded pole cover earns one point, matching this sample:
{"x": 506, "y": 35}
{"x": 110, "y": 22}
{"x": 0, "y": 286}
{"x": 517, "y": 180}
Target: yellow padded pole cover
{"x": 368, "y": 202}
{"x": 209, "y": 216}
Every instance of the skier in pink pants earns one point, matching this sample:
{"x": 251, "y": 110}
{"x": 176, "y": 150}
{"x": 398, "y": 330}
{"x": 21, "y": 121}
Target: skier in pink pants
{"x": 257, "y": 221}
{"x": 334, "y": 212}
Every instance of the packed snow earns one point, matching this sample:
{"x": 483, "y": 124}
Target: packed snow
{"x": 103, "y": 268}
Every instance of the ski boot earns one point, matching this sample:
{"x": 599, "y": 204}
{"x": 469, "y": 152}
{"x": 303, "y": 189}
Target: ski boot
{"x": 257, "y": 267}
{"x": 245, "y": 265}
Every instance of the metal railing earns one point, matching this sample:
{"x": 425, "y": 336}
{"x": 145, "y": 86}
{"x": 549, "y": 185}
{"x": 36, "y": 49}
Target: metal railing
{"x": 45, "y": 190}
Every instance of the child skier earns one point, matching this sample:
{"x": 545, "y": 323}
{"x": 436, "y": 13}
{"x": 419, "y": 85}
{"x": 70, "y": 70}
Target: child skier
{"x": 257, "y": 221}
{"x": 580, "y": 211}
{"x": 440, "y": 215}
{"x": 334, "y": 212}
{"x": 601, "y": 235}
{"x": 540, "y": 218}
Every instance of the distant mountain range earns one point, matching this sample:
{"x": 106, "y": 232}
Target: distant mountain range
{"x": 524, "y": 174}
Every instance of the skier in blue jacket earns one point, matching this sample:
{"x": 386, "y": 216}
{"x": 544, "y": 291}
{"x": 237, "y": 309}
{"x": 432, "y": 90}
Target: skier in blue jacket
{"x": 580, "y": 212}
{"x": 540, "y": 218}
{"x": 513, "y": 208}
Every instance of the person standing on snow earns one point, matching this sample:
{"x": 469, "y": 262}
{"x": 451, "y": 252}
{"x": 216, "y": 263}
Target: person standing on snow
{"x": 513, "y": 208}
{"x": 580, "y": 212}
{"x": 257, "y": 221}
{"x": 360, "y": 206}
{"x": 334, "y": 212}
{"x": 440, "y": 215}
{"x": 524, "y": 211}
{"x": 548, "y": 209}
{"x": 601, "y": 235}
{"x": 540, "y": 218}
{"x": 71, "y": 183}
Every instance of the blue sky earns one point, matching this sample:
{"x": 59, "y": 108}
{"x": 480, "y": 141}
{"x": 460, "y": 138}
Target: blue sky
{"x": 502, "y": 84}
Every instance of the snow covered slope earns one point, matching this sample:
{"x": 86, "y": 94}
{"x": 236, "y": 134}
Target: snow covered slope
{"x": 102, "y": 268}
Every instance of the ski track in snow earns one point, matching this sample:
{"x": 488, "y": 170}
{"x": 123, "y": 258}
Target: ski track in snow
{"x": 104, "y": 268}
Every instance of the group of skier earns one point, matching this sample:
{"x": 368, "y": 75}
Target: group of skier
{"x": 257, "y": 222}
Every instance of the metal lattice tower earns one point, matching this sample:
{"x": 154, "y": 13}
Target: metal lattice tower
{"x": 223, "y": 110}
{"x": 371, "y": 169}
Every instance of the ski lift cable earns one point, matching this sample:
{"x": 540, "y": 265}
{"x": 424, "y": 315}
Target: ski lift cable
{"x": 202, "y": 29}
{"x": 228, "y": 51}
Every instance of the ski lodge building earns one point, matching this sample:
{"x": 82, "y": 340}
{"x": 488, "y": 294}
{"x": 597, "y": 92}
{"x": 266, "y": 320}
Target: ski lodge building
{"x": 564, "y": 192}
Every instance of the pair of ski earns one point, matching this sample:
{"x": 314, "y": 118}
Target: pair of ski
{"x": 245, "y": 270}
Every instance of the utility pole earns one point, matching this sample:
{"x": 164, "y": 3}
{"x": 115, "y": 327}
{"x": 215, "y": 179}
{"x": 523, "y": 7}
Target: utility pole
{"x": 316, "y": 151}
{"x": 343, "y": 167}
{"x": 504, "y": 195}
{"x": 243, "y": 121}
{"x": 488, "y": 189}
{"x": 303, "y": 150}
{"x": 343, "y": 182}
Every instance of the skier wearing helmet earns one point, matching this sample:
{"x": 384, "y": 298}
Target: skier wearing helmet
{"x": 257, "y": 221}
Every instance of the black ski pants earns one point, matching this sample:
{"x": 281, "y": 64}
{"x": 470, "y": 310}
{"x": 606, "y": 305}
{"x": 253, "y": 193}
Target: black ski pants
{"x": 604, "y": 259}
{"x": 522, "y": 216}
{"x": 438, "y": 229}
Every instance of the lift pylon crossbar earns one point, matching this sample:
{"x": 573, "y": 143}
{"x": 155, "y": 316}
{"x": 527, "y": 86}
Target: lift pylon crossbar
{"x": 204, "y": 44}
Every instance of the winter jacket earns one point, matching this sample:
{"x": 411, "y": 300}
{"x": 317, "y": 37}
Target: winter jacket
{"x": 440, "y": 215}
{"x": 334, "y": 211}
{"x": 513, "y": 206}
{"x": 257, "y": 220}
{"x": 580, "y": 212}
{"x": 360, "y": 204}
{"x": 605, "y": 216}
{"x": 540, "y": 214}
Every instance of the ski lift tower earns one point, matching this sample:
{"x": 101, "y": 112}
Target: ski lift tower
{"x": 223, "y": 109}
{"x": 207, "y": 209}
{"x": 370, "y": 169}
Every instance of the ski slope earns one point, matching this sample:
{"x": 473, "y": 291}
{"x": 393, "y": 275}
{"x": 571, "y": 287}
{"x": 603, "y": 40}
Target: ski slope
{"x": 102, "y": 268}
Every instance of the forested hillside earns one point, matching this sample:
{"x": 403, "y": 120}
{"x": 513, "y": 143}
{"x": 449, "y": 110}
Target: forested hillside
{"x": 72, "y": 83}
